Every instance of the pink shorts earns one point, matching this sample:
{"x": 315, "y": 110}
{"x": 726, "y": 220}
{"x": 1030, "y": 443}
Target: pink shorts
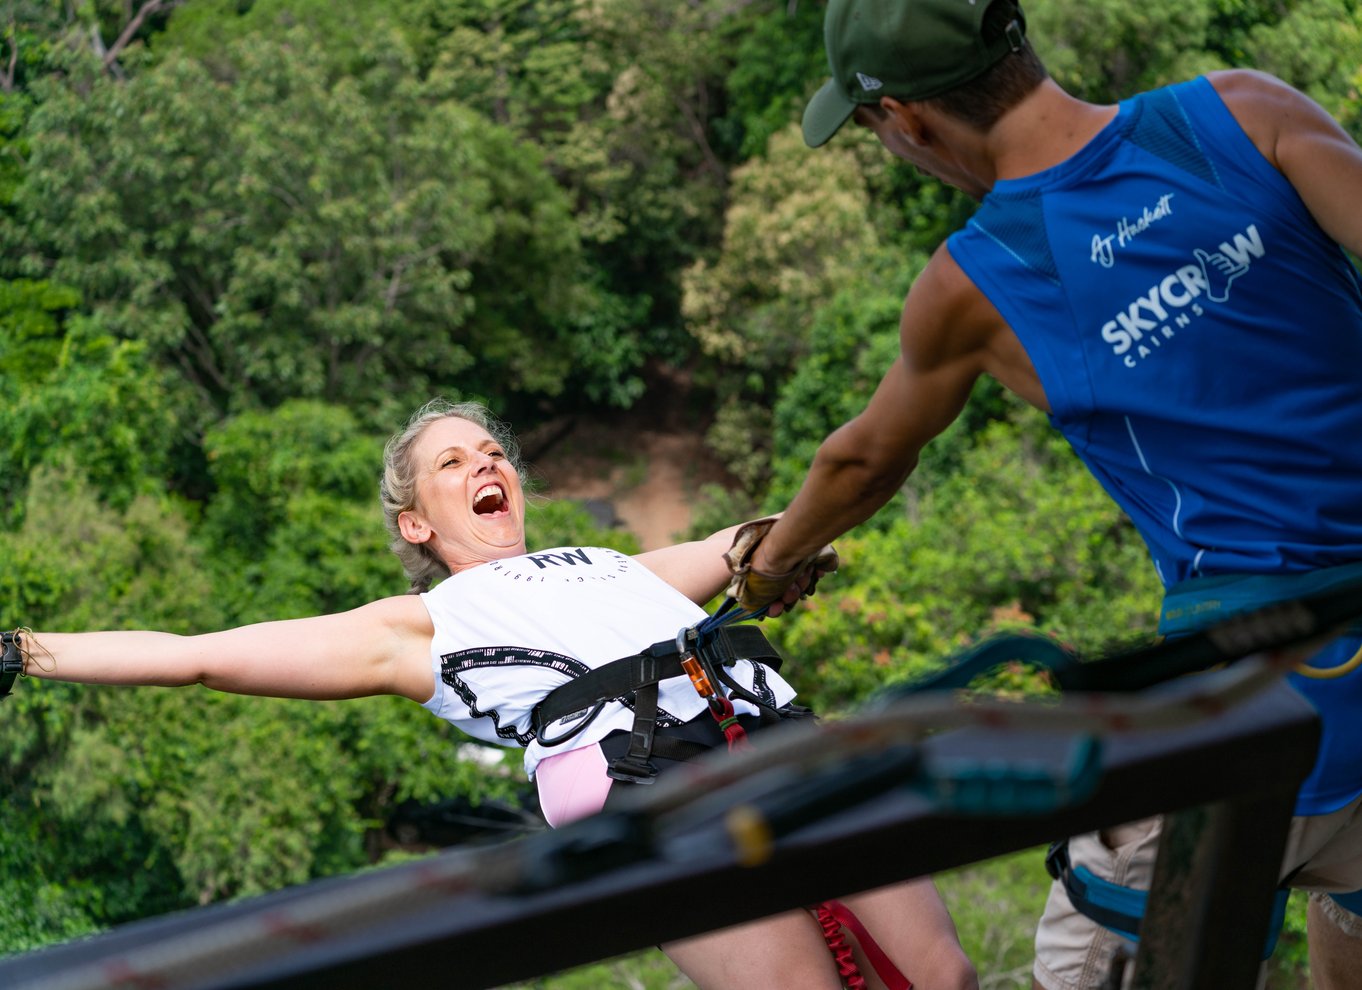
{"x": 572, "y": 785}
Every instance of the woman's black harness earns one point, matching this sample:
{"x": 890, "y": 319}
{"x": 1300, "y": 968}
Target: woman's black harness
{"x": 634, "y": 681}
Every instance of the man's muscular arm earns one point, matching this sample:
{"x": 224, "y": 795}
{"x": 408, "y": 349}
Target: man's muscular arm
{"x": 944, "y": 348}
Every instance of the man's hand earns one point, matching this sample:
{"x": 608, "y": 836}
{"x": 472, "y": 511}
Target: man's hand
{"x": 753, "y": 589}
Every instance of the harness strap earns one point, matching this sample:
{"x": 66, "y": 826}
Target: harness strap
{"x": 634, "y": 766}
{"x": 769, "y": 716}
{"x": 11, "y": 661}
{"x": 1121, "y": 909}
{"x": 658, "y": 662}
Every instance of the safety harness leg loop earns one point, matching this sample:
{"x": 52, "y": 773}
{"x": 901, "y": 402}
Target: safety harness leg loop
{"x": 1120, "y": 909}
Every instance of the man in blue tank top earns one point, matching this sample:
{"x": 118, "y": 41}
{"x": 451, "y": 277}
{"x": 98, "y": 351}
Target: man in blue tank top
{"x": 1166, "y": 278}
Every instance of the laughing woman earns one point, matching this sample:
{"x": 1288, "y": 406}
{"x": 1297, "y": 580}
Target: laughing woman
{"x": 487, "y": 633}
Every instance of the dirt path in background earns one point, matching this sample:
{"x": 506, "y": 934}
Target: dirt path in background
{"x": 650, "y": 477}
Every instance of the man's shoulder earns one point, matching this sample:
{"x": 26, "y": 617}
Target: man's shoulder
{"x": 1259, "y": 104}
{"x": 1246, "y": 82}
{"x": 945, "y": 305}
{"x": 1250, "y": 95}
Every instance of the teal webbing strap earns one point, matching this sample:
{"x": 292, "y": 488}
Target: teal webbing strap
{"x": 1194, "y": 604}
{"x": 1121, "y": 909}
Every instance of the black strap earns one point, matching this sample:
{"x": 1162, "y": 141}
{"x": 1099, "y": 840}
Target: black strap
{"x": 744, "y": 642}
{"x": 11, "y": 661}
{"x": 617, "y": 679}
{"x": 634, "y": 766}
{"x": 620, "y": 678}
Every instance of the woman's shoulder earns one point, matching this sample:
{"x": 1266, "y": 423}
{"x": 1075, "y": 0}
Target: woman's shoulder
{"x": 400, "y": 613}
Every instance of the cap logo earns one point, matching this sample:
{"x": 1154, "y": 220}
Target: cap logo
{"x": 868, "y": 83}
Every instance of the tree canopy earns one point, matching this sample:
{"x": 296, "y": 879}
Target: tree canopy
{"x": 241, "y": 240}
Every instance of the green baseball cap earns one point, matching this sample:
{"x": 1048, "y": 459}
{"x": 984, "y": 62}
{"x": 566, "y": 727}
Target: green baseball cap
{"x": 910, "y": 49}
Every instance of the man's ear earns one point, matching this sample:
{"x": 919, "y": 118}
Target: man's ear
{"x": 908, "y": 116}
{"x": 413, "y": 528}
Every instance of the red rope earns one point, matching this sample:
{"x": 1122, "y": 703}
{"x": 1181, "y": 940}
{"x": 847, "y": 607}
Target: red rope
{"x": 879, "y": 960}
{"x": 832, "y": 915}
{"x": 722, "y": 710}
{"x": 841, "y": 952}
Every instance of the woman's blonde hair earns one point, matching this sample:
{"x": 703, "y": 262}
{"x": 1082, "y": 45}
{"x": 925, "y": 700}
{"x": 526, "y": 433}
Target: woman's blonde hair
{"x": 397, "y": 489}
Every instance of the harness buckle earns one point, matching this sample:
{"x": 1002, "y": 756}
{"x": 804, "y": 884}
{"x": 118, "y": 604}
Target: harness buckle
{"x": 631, "y": 771}
{"x": 11, "y": 661}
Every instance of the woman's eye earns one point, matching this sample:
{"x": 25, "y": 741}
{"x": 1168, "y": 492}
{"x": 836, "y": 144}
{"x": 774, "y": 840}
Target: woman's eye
{"x": 449, "y": 463}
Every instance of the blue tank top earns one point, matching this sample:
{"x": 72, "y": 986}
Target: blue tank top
{"x": 1167, "y": 282}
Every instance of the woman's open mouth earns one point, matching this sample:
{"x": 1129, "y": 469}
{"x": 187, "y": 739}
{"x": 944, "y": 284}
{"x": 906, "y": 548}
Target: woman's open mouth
{"x": 489, "y": 501}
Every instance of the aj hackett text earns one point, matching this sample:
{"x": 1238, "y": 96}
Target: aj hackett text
{"x": 1170, "y": 304}
{"x": 1102, "y": 250}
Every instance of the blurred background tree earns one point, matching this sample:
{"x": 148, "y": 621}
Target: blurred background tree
{"x": 240, "y": 240}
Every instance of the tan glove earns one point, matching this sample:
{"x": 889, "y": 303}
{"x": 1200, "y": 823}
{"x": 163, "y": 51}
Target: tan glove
{"x": 753, "y": 589}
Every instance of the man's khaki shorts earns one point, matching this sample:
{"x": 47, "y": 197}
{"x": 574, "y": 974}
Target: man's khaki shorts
{"x": 1075, "y": 953}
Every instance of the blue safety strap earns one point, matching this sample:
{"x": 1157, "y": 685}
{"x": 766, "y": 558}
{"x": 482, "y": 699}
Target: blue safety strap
{"x": 1196, "y": 603}
{"x": 1121, "y": 909}
{"x": 1110, "y": 905}
{"x": 1349, "y": 902}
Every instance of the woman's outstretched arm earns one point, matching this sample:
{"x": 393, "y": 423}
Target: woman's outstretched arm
{"x": 379, "y": 648}
{"x": 695, "y": 569}
{"x": 698, "y": 569}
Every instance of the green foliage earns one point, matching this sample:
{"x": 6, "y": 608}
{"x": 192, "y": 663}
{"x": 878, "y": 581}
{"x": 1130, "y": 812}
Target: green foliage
{"x": 1105, "y": 51}
{"x": 616, "y": 95}
{"x": 852, "y": 342}
{"x": 278, "y": 234}
{"x": 562, "y": 523}
{"x": 796, "y": 231}
{"x": 995, "y": 906}
{"x": 13, "y": 109}
{"x": 238, "y": 253}
{"x": 256, "y": 793}
{"x": 1314, "y": 47}
{"x": 260, "y": 462}
{"x": 65, "y": 879}
{"x": 295, "y": 518}
{"x": 778, "y": 63}
{"x": 81, "y": 394}
{"x": 76, "y": 563}
{"x": 205, "y": 29}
